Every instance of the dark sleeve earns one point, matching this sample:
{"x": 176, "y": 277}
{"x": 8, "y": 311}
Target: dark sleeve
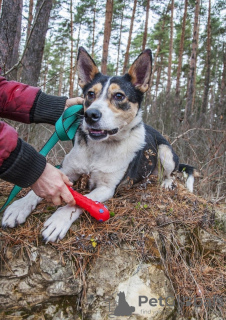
{"x": 47, "y": 108}
{"x": 24, "y": 165}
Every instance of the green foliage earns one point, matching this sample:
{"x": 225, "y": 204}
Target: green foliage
{"x": 90, "y": 14}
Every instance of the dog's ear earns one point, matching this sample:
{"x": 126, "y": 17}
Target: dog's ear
{"x": 86, "y": 67}
{"x": 140, "y": 71}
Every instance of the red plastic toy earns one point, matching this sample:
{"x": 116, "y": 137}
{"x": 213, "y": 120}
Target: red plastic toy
{"x": 96, "y": 209}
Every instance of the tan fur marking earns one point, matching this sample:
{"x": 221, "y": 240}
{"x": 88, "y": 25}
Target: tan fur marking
{"x": 114, "y": 87}
{"x": 94, "y": 72}
{"x": 97, "y": 89}
{"x": 127, "y": 115}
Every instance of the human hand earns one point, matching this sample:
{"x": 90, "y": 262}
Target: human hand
{"x": 72, "y": 101}
{"x": 51, "y": 185}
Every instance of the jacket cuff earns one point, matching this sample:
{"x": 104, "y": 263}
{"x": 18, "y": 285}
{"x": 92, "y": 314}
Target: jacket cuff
{"x": 24, "y": 165}
{"x": 47, "y": 108}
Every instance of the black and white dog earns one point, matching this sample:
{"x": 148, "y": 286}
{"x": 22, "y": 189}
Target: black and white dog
{"x": 111, "y": 145}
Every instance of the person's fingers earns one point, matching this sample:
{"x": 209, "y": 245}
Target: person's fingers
{"x": 66, "y": 180}
{"x": 67, "y": 197}
{"x": 72, "y": 101}
{"x": 56, "y": 200}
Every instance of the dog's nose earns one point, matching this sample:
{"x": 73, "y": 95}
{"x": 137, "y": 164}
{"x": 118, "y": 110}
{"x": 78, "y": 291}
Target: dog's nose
{"x": 92, "y": 115}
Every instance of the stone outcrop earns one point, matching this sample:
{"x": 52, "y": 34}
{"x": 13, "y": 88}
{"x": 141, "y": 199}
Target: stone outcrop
{"x": 156, "y": 247}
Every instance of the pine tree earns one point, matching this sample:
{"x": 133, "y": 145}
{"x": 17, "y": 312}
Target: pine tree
{"x": 107, "y": 35}
{"x": 208, "y": 58}
{"x": 193, "y": 61}
{"x": 10, "y": 34}
{"x": 146, "y": 26}
{"x": 34, "y": 46}
{"x": 181, "y": 50}
{"x": 126, "y": 61}
{"x": 168, "y": 88}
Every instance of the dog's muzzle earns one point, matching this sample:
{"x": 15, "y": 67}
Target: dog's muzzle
{"x": 92, "y": 116}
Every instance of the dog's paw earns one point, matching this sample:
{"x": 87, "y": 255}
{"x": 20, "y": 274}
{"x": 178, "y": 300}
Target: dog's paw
{"x": 17, "y": 213}
{"x": 168, "y": 184}
{"x": 56, "y": 227}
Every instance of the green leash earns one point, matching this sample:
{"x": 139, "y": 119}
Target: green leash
{"x": 65, "y": 129}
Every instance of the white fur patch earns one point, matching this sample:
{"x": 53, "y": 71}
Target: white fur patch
{"x": 19, "y": 210}
{"x": 190, "y": 182}
{"x": 167, "y": 184}
{"x": 60, "y": 222}
{"x": 105, "y": 161}
{"x": 166, "y": 157}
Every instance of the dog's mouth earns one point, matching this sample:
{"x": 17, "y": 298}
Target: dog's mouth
{"x": 98, "y": 134}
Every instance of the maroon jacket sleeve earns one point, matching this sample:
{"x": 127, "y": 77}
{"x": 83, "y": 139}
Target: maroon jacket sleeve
{"x": 16, "y": 100}
{"x": 8, "y": 141}
{"x": 20, "y": 163}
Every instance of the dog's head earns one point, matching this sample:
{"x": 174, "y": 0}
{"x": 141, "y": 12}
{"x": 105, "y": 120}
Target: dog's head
{"x": 112, "y": 104}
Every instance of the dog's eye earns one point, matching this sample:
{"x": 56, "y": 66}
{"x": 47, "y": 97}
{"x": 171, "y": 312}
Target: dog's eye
{"x": 91, "y": 95}
{"x": 119, "y": 96}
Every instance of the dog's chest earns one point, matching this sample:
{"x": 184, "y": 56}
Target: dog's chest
{"x": 99, "y": 157}
{"x": 107, "y": 157}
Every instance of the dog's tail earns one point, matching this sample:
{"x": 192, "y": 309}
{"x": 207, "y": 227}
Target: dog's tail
{"x": 189, "y": 173}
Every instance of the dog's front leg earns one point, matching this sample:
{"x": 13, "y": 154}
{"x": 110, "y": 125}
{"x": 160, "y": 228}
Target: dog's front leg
{"x": 60, "y": 222}
{"x": 101, "y": 193}
{"x": 19, "y": 210}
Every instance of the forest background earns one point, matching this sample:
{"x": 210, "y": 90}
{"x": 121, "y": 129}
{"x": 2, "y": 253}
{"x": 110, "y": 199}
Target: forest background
{"x": 186, "y": 100}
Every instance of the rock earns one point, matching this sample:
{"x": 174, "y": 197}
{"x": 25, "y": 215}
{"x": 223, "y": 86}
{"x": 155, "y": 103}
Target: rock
{"x": 118, "y": 271}
{"x": 212, "y": 242}
{"x": 115, "y": 271}
{"x": 25, "y": 282}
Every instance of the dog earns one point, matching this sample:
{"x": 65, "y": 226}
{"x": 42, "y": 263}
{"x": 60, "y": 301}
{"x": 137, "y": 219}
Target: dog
{"x": 111, "y": 145}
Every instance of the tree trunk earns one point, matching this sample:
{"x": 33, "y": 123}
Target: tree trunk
{"x": 30, "y": 17}
{"x": 120, "y": 38}
{"x": 32, "y": 59}
{"x": 208, "y": 57}
{"x": 126, "y": 61}
{"x": 181, "y": 50}
{"x": 46, "y": 69}
{"x": 222, "y": 110}
{"x": 146, "y": 26}
{"x": 10, "y": 33}
{"x": 168, "y": 88}
{"x": 94, "y": 28}
{"x": 71, "y": 57}
{"x": 61, "y": 78}
{"x": 148, "y": 94}
{"x": 75, "y": 60}
{"x": 193, "y": 60}
{"x": 159, "y": 71}
{"x": 107, "y": 35}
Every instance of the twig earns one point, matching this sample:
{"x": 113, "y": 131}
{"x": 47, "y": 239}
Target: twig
{"x": 192, "y": 129}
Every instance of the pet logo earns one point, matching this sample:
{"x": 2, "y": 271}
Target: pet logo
{"x": 123, "y": 308}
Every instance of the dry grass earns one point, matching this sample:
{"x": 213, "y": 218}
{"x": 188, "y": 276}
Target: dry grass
{"x": 162, "y": 226}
